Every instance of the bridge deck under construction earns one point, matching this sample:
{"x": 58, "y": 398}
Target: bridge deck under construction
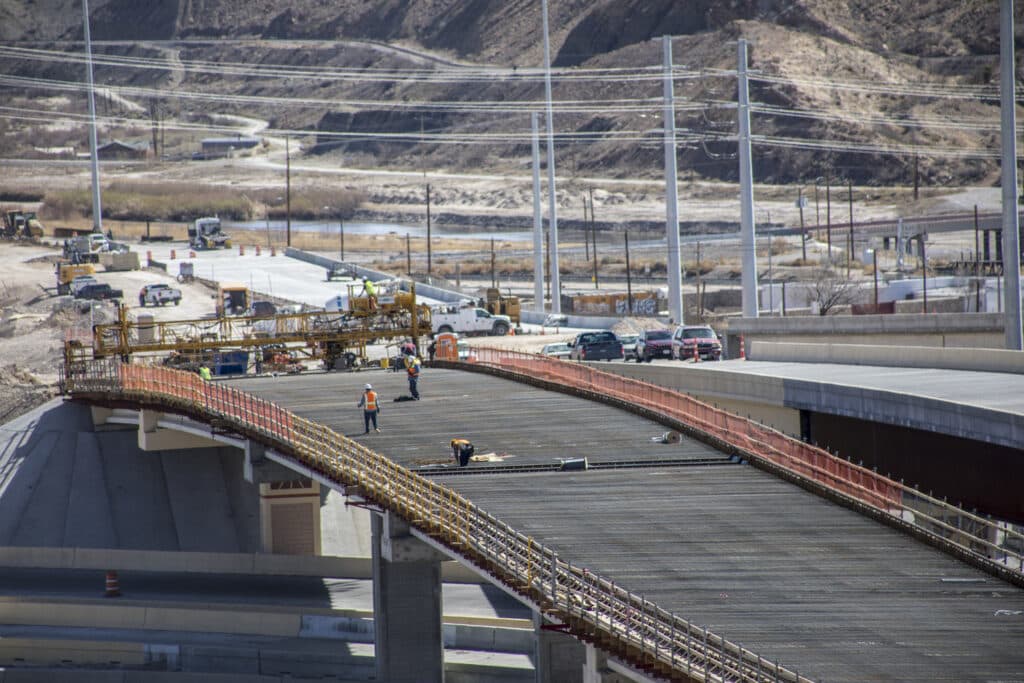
{"x": 825, "y": 591}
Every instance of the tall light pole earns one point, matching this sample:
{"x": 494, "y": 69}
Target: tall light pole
{"x": 538, "y": 223}
{"x": 747, "y": 232}
{"x": 556, "y": 285}
{"x": 97, "y": 208}
{"x": 675, "y": 284}
{"x": 1011, "y": 219}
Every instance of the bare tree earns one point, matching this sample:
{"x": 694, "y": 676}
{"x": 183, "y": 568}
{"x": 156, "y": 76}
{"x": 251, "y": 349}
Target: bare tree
{"x": 829, "y": 290}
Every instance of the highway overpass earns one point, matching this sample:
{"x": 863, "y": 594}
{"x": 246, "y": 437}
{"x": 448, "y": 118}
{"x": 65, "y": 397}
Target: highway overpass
{"x": 817, "y": 567}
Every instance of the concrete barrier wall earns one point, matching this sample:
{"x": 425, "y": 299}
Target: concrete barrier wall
{"x": 422, "y": 289}
{"x": 898, "y": 324}
{"x": 979, "y": 360}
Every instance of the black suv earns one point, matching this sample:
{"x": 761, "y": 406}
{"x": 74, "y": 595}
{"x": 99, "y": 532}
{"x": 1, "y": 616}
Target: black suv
{"x": 99, "y": 291}
{"x": 596, "y": 346}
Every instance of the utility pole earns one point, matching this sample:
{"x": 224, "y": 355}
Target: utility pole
{"x": 803, "y": 233}
{"x": 696, "y": 272}
{"x": 675, "y": 283}
{"x": 828, "y": 216}
{"x": 494, "y": 272}
{"x": 817, "y": 211}
{"x": 1011, "y": 219}
{"x": 917, "y": 182}
{"x": 556, "y": 285}
{"x": 97, "y": 207}
{"x": 429, "y": 269}
{"x": 924, "y": 269}
{"x": 629, "y": 283}
{"x": 341, "y": 226}
{"x": 874, "y": 269}
{"x": 748, "y": 233}
{"x": 849, "y": 241}
{"x": 408, "y": 256}
{"x": 288, "y": 190}
{"x": 539, "y": 265}
{"x": 593, "y": 233}
{"x": 586, "y": 231}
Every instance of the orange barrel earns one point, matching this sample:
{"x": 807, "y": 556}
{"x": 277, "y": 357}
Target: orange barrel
{"x": 113, "y": 585}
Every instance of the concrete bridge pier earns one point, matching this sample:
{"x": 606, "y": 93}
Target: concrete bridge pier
{"x": 559, "y": 657}
{"x": 407, "y": 609}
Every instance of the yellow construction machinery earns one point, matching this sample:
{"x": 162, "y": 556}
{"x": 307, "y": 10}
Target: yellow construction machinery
{"x": 338, "y": 338}
{"x": 21, "y": 224}
{"x": 497, "y": 304}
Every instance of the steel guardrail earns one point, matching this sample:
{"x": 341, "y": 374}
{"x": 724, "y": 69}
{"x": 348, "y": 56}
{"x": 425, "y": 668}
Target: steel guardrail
{"x": 591, "y": 607}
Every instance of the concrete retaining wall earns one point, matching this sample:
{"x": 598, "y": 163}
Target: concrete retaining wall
{"x": 980, "y": 360}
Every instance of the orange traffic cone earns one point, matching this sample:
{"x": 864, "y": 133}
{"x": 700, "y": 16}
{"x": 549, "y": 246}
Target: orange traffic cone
{"x": 743, "y": 355}
{"x": 113, "y": 586}
{"x": 696, "y": 354}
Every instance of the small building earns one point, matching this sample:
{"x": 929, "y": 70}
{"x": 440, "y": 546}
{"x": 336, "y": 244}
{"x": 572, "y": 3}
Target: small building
{"x": 214, "y": 148}
{"x": 120, "y": 150}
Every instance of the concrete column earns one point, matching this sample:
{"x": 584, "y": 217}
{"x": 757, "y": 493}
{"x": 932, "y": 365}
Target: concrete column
{"x": 290, "y": 517}
{"x": 559, "y": 657}
{"x": 407, "y": 611}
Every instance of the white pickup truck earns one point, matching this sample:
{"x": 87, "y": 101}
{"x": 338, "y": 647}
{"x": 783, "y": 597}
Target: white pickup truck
{"x": 158, "y": 295}
{"x": 469, "y": 320}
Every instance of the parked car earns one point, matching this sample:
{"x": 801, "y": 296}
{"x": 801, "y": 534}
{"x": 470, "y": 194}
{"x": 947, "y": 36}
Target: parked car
{"x": 596, "y": 346}
{"x": 556, "y": 320}
{"x": 709, "y": 347}
{"x": 159, "y": 294}
{"x": 653, "y": 344}
{"x": 80, "y": 281}
{"x": 99, "y": 291}
{"x": 629, "y": 345}
{"x": 556, "y": 350}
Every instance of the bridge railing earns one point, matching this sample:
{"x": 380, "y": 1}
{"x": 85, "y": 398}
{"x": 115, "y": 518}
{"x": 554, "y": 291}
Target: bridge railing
{"x": 981, "y": 537}
{"x": 588, "y": 605}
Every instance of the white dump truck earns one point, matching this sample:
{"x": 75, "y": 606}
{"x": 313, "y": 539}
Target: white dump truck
{"x": 467, "y": 320}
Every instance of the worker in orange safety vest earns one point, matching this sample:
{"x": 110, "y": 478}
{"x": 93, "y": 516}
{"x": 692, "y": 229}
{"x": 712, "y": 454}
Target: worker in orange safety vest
{"x": 371, "y": 408}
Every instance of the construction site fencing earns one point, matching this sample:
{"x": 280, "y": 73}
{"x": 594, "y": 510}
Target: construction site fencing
{"x": 982, "y": 537}
{"x": 590, "y": 606}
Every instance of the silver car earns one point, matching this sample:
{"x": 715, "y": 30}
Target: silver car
{"x": 556, "y": 350}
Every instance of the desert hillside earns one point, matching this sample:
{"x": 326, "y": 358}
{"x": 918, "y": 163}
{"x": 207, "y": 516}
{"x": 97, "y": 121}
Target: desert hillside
{"x": 837, "y": 83}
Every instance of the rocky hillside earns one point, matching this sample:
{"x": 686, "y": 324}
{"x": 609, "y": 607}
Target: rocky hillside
{"x": 805, "y": 42}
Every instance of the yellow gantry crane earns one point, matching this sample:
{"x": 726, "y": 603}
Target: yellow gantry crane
{"x": 338, "y": 338}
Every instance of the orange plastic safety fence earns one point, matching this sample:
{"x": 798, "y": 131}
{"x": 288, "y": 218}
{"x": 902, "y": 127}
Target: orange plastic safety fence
{"x": 782, "y": 450}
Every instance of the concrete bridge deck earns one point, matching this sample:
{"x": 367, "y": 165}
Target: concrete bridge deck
{"x": 825, "y": 591}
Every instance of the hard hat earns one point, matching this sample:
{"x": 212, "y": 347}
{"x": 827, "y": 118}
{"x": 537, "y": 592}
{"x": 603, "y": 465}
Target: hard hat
{"x": 365, "y": 279}
{"x": 368, "y": 386}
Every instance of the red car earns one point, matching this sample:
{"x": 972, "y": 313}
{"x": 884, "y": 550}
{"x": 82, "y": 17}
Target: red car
{"x": 686, "y": 337}
{"x": 653, "y": 344}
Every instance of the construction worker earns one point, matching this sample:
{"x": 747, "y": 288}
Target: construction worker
{"x": 412, "y": 367}
{"x": 204, "y": 372}
{"x": 371, "y": 293}
{"x": 462, "y": 450}
{"x": 371, "y": 408}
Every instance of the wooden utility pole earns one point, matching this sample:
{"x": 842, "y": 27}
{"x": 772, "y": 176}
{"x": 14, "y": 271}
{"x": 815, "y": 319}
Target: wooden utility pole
{"x": 408, "y": 256}
{"x": 494, "y": 279}
{"x": 696, "y": 270}
{"x": 593, "y": 233}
